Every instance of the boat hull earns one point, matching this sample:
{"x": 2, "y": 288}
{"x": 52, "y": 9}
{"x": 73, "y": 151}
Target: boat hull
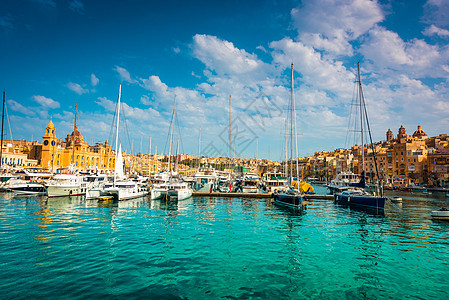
{"x": 28, "y": 189}
{"x": 65, "y": 191}
{"x": 289, "y": 200}
{"x": 440, "y": 215}
{"x": 361, "y": 200}
{"x": 171, "y": 194}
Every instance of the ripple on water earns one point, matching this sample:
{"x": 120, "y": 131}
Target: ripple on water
{"x": 219, "y": 247}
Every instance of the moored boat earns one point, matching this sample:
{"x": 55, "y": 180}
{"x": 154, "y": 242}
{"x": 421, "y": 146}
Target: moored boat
{"x": 358, "y": 195}
{"x": 64, "y": 185}
{"x": 395, "y": 199}
{"x": 441, "y": 214}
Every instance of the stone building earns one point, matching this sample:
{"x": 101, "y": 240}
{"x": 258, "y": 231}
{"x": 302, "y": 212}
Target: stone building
{"x": 57, "y": 155}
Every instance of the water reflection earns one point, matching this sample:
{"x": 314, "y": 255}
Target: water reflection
{"x": 171, "y": 205}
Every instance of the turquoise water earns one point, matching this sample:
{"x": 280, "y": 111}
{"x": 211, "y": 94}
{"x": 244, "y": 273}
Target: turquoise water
{"x": 221, "y": 248}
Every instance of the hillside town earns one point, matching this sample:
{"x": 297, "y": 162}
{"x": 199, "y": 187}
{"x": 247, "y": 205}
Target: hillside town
{"x": 401, "y": 160}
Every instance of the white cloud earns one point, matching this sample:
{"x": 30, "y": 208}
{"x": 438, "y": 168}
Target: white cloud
{"x": 329, "y": 25}
{"x": 124, "y": 74}
{"x": 154, "y": 83}
{"x": 46, "y": 102}
{"x": 77, "y": 88}
{"x": 388, "y": 51}
{"x": 434, "y": 30}
{"x": 222, "y": 56}
{"x": 176, "y": 50}
{"x": 145, "y": 100}
{"x": 94, "y": 80}
{"x": 436, "y": 12}
{"x": 16, "y": 106}
{"x": 316, "y": 71}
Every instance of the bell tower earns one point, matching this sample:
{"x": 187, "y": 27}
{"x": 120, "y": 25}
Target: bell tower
{"x": 389, "y": 135}
{"x": 48, "y": 145}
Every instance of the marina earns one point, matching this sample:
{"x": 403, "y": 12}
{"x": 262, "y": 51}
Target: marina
{"x": 224, "y": 150}
{"x": 217, "y": 247}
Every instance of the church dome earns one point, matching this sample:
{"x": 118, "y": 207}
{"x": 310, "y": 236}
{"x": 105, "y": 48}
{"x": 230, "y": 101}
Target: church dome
{"x": 50, "y": 125}
{"x": 419, "y": 133}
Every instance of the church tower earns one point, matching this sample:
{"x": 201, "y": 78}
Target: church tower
{"x": 402, "y": 135}
{"x": 389, "y": 135}
{"x": 48, "y": 145}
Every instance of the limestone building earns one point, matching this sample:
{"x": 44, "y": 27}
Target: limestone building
{"x": 56, "y": 154}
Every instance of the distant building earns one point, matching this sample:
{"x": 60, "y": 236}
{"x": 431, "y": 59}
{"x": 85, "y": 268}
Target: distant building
{"x": 57, "y": 155}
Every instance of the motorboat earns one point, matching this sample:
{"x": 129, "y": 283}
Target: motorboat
{"x": 343, "y": 180}
{"x": 172, "y": 190}
{"x": 64, "y": 185}
{"x": 250, "y": 183}
{"x": 274, "y": 181}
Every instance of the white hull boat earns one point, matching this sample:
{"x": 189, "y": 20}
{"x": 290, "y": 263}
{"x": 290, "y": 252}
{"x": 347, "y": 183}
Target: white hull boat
{"x": 171, "y": 191}
{"x": 441, "y": 214}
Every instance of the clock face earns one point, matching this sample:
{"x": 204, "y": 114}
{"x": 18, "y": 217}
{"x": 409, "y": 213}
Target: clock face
{"x": 45, "y": 142}
{"x": 53, "y": 143}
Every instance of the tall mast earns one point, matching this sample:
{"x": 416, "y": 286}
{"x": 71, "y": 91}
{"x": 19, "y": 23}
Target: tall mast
{"x": 156, "y": 160}
{"x": 296, "y": 133}
{"x": 1, "y": 143}
{"x": 291, "y": 127}
{"x": 199, "y": 150}
{"x": 285, "y": 151}
{"x": 171, "y": 137}
{"x": 257, "y": 147}
{"x": 149, "y": 160}
{"x": 230, "y": 136}
{"x": 73, "y": 138}
{"x": 116, "y": 130}
{"x": 361, "y": 118}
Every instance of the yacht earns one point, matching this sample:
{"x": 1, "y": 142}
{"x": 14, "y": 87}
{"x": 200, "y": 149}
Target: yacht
{"x": 28, "y": 182}
{"x": 342, "y": 181}
{"x": 359, "y": 196}
{"x": 64, "y": 185}
{"x": 172, "y": 190}
{"x": 274, "y": 181}
{"x": 205, "y": 177}
{"x": 250, "y": 183}
{"x": 120, "y": 187}
{"x": 291, "y": 196}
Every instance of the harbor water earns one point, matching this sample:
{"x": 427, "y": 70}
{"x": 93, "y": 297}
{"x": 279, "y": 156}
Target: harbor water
{"x": 221, "y": 248}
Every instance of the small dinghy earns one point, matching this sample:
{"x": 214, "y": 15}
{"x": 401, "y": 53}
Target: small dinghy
{"x": 441, "y": 214}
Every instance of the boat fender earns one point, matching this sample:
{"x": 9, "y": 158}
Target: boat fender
{"x": 349, "y": 199}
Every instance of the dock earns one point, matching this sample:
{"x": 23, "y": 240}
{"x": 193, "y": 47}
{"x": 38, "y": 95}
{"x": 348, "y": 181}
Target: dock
{"x": 253, "y": 195}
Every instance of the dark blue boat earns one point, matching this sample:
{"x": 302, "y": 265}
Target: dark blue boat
{"x": 360, "y": 197}
{"x": 356, "y": 195}
{"x": 289, "y": 198}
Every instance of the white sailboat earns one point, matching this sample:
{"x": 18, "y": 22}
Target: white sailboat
{"x": 175, "y": 188}
{"x": 121, "y": 188}
{"x": 292, "y": 196}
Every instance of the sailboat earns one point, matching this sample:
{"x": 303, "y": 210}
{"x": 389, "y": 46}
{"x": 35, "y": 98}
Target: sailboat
{"x": 358, "y": 196}
{"x": 174, "y": 188}
{"x": 291, "y": 196}
{"x": 121, "y": 188}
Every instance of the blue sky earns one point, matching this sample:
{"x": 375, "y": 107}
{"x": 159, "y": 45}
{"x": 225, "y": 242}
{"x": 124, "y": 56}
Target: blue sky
{"x": 56, "y": 53}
